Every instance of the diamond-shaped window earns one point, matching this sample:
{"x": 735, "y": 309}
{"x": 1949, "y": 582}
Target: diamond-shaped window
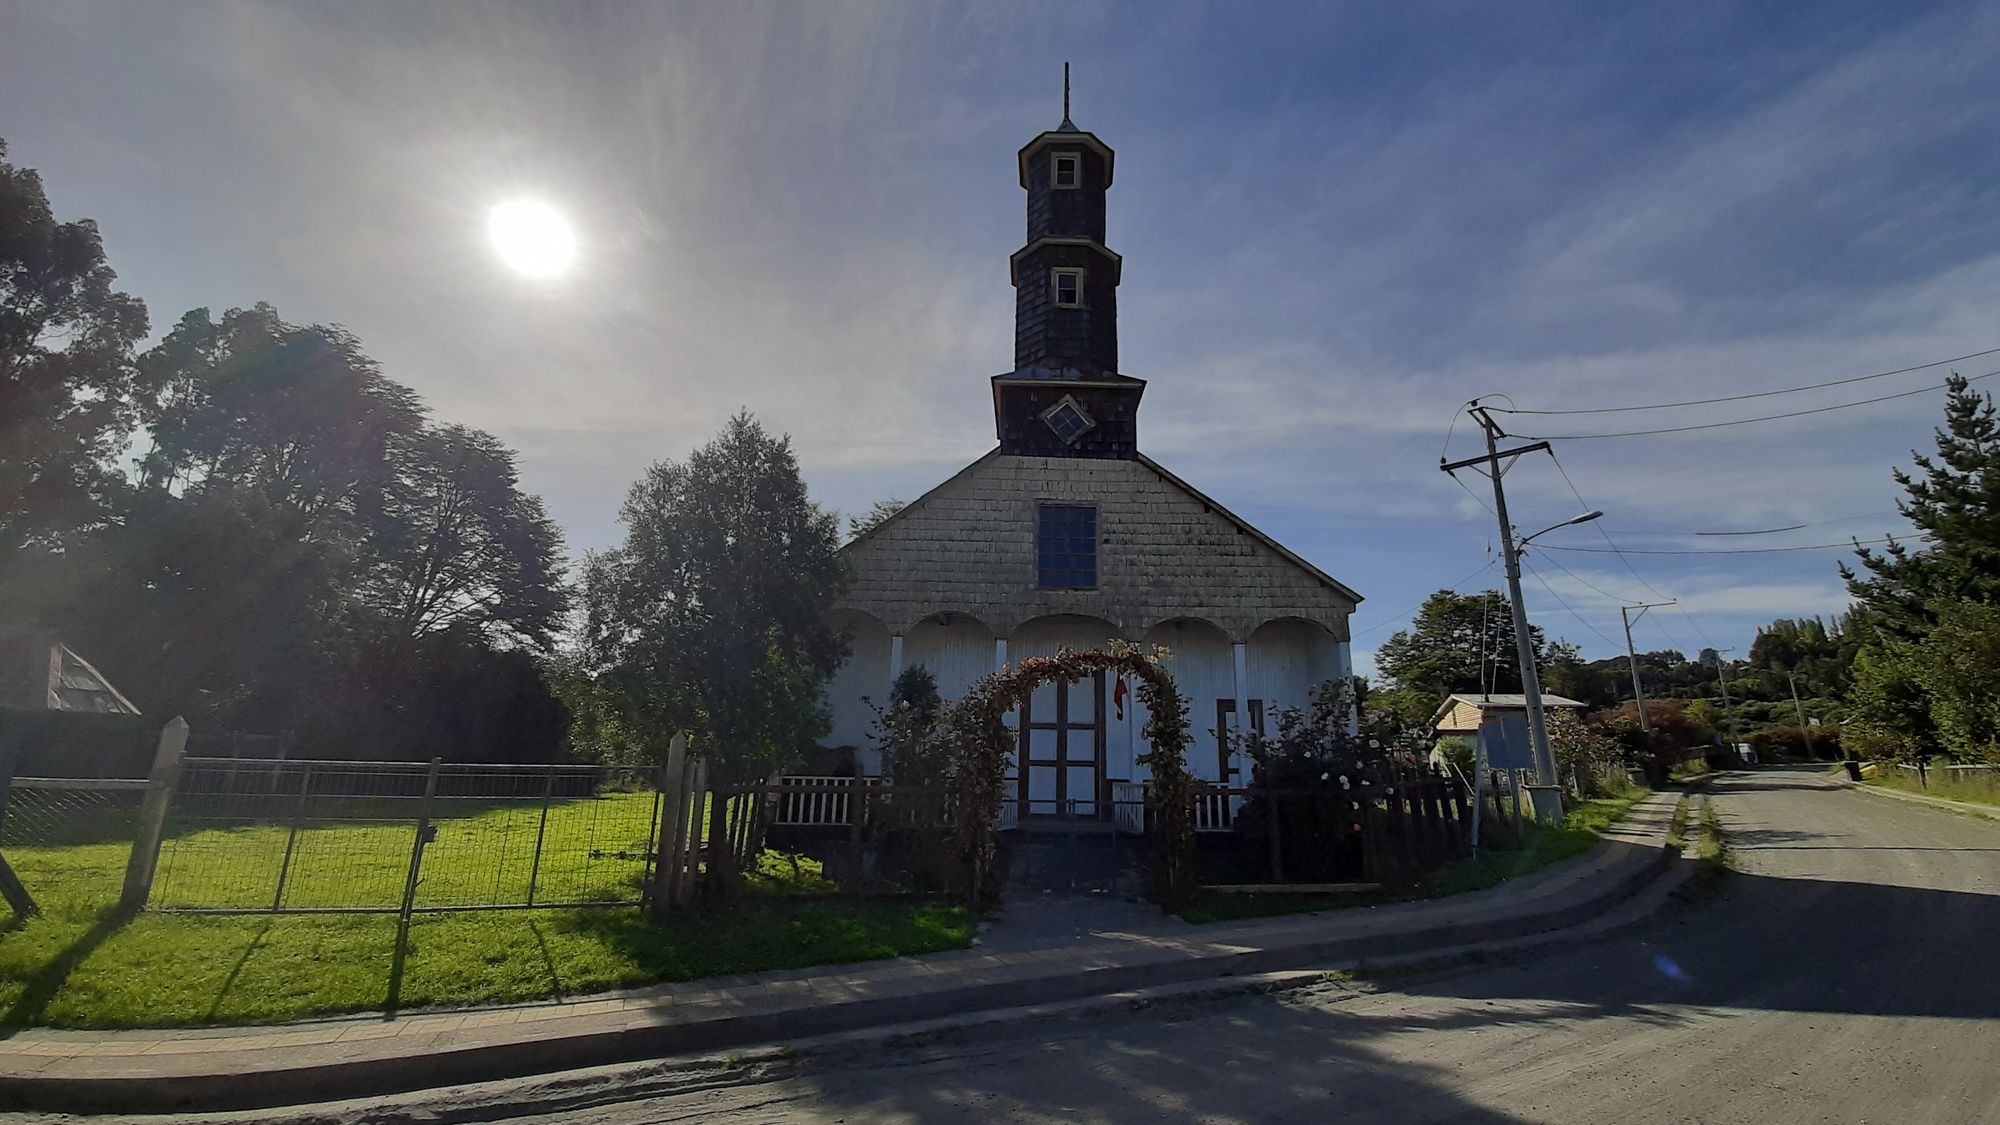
{"x": 1068, "y": 420}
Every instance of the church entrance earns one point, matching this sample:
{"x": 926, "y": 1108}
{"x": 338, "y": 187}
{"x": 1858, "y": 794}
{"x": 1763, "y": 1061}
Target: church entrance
{"x": 1061, "y": 775}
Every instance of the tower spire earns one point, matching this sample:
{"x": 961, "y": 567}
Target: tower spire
{"x": 1066, "y": 123}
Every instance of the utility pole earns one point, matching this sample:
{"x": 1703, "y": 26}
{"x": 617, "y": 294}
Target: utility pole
{"x": 1546, "y": 796}
{"x": 1792, "y": 678}
{"x": 1728, "y": 709}
{"x": 1638, "y": 690}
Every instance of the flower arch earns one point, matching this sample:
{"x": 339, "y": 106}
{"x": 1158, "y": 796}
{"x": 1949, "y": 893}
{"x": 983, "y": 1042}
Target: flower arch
{"x": 981, "y": 743}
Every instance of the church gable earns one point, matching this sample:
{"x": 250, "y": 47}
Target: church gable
{"x": 1161, "y": 551}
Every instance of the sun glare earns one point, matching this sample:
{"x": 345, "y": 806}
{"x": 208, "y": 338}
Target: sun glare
{"x": 532, "y": 238}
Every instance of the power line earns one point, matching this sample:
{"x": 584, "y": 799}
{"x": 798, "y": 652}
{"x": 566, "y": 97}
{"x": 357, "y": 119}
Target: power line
{"x": 1580, "y": 580}
{"x": 1722, "y": 551}
{"x": 1405, "y": 615}
{"x": 1758, "y": 394}
{"x": 1748, "y": 421}
{"x": 1599, "y": 525}
{"x": 1564, "y": 604}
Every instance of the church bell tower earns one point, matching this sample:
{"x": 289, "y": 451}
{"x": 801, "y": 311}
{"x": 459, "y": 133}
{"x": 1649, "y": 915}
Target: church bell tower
{"x": 1065, "y": 397}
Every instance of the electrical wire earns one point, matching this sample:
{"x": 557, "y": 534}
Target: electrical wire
{"x": 1724, "y": 551}
{"x": 1748, "y": 421}
{"x": 1405, "y": 615}
{"x": 1758, "y": 394}
{"x": 1566, "y": 606}
{"x": 1579, "y": 579}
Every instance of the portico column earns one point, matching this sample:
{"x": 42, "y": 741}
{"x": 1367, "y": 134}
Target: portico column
{"x": 999, "y": 653}
{"x": 895, "y": 661}
{"x": 1242, "y": 687}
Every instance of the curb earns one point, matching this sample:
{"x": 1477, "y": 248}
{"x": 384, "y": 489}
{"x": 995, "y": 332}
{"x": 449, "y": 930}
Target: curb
{"x": 243, "y": 1088}
{"x": 619, "y": 1082}
{"x": 1965, "y": 808}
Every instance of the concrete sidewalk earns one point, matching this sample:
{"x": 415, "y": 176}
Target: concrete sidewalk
{"x": 294, "y": 1063}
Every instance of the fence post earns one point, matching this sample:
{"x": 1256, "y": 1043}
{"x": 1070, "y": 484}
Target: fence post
{"x": 689, "y": 845}
{"x": 292, "y": 837}
{"x": 417, "y": 845}
{"x": 857, "y": 808}
{"x": 541, "y": 833}
{"x": 160, "y": 783}
{"x": 1277, "y": 832}
{"x": 671, "y": 832}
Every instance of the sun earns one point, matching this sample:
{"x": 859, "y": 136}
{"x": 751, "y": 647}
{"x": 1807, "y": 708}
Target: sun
{"x": 532, "y": 238}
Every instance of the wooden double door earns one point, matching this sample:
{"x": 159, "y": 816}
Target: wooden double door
{"x": 1060, "y": 764}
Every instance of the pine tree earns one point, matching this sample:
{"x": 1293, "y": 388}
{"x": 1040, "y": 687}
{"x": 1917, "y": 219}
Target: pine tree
{"x": 1954, "y": 501}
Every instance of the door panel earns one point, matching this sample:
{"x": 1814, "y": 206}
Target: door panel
{"x": 1062, "y": 732}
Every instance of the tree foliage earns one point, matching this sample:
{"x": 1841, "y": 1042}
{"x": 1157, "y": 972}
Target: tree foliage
{"x": 66, "y": 371}
{"x": 296, "y": 548}
{"x": 712, "y": 616}
{"x": 879, "y": 511}
{"x": 1458, "y": 643}
{"x": 1929, "y": 666}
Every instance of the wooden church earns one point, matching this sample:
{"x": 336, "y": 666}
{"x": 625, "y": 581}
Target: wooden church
{"x": 1067, "y": 535}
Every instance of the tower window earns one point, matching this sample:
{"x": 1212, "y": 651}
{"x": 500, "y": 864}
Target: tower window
{"x": 1063, "y": 170}
{"x": 1068, "y": 420}
{"x": 1066, "y": 547}
{"x": 1069, "y": 289}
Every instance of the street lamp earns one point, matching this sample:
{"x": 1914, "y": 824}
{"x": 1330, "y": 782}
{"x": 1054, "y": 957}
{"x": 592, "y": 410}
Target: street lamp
{"x": 1570, "y": 522}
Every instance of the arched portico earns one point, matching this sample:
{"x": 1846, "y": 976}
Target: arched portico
{"x": 957, "y": 648}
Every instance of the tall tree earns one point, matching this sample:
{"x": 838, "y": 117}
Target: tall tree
{"x": 66, "y": 376}
{"x": 458, "y": 546}
{"x": 1954, "y": 501}
{"x": 1926, "y": 633}
{"x": 712, "y": 616}
{"x": 1459, "y": 643}
{"x": 297, "y": 413}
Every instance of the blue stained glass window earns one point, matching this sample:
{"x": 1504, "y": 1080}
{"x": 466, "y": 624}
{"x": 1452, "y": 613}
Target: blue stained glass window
{"x": 1066, "y": 547}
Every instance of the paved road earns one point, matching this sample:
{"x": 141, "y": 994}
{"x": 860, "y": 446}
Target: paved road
{"x": 1845, "y": 974}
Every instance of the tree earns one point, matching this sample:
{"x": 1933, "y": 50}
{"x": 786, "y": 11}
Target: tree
{"x": 1458, "y": 643}
{"x": 881, "y": 510}
{"x": 712, "y": 616}
{"x": 1954, "y": 501}
{"x": 457, "y": 545}
{"x": 66, "y": 375}
{"x": 298, "y": 414}
{"x": 1911, "y": 683}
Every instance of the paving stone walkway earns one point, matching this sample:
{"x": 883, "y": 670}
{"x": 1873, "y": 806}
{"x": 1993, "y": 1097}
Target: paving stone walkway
{"x": 1089, "y": 949}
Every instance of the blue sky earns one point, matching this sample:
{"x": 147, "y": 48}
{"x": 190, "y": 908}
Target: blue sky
{"x": 1339, "y": 223}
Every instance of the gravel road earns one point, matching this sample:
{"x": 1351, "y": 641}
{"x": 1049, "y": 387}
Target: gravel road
{"x": 1844, "y": 973}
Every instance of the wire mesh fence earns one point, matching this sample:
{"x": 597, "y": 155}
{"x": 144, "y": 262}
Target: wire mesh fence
{"x": 69, "y": 839}
{"x": 278, "y": 836}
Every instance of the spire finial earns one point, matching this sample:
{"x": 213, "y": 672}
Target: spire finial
{"x": 1066, "y": 122}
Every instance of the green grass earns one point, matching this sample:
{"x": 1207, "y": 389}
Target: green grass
{"x": 1690, "y": 769}
{"x": 1942, "y": 785}
{"x": 77, "y": 966}
{"x": 1712, "y": 849}
{"x": 1578, "y": 833}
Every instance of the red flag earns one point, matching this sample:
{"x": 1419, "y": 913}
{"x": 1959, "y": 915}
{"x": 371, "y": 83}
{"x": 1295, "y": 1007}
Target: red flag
{"x": 1118, "y": 697}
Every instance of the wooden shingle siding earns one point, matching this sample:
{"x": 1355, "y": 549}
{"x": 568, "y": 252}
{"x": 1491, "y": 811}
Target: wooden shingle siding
{"x": 969, "y": 547}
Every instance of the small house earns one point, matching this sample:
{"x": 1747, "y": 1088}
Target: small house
{"x": 1497, "y": 724}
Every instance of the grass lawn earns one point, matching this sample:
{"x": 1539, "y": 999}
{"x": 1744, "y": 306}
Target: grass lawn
{"x": 1984, "y": 791}
{"x": 1578, "y": 833}
{"x": 74, "y": 966}
{"x": 1690, "y": 769}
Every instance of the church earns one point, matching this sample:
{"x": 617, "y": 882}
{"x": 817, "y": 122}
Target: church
{"x": 1067, "y": 535}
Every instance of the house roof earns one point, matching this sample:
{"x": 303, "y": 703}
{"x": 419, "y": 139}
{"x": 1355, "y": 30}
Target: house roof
{"x": 1497, "y": 701}
{"x": 40, "y": 673}
{"x": 1241, "y": 523}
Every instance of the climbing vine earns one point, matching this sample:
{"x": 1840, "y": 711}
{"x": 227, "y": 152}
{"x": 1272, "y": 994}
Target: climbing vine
{"x": 980, "y": 745}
